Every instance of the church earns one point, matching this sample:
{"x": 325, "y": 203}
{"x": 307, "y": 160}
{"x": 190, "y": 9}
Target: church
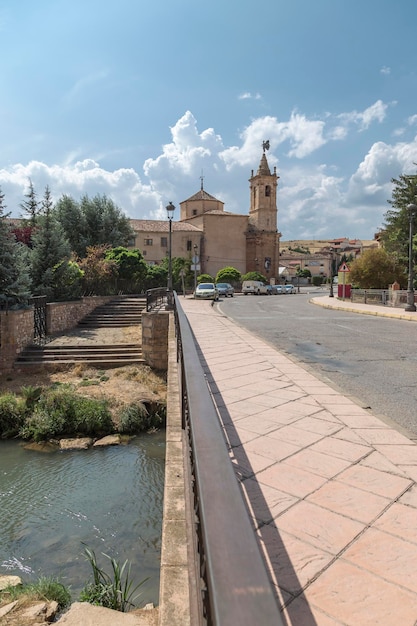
{"x": 217, "y": 237}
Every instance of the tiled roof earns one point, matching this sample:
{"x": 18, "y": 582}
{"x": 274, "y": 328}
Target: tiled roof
{"x": 201, "y": 195}
{"x": 161, "y": 226}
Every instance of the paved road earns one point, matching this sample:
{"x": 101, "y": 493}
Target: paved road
{"x": 371, "y": 358}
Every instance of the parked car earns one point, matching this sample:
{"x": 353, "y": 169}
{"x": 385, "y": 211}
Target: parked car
{"x": 277, "y": 289}
{"x": 225, "y": 289}
{"x": 289, "y": 289}
{"x": 206, "y": 291}
{"x": 255, "y": 287}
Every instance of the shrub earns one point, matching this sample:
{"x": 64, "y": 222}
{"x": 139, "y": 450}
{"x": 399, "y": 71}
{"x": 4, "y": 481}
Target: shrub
{"x": 60, "y": 412}
{"x": 136, "y": 418}
{"x": 133, "y": 419}
{"x": 12, "y": 414}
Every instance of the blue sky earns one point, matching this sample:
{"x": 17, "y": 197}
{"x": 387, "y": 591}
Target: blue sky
{"x": 137, "y": 99}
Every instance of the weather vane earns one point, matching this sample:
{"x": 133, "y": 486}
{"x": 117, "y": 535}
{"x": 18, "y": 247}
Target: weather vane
{"x": 265, "y": 145}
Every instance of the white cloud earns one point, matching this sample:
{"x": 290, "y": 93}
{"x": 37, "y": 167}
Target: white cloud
{"x": 376, "y": 112}
{"x": 412, "y": 120}
{"x": 385, "y": 70}
{"x": 312, "y": 200}
{"x": 84, "y": 177}
{"x": 247, "y": 95}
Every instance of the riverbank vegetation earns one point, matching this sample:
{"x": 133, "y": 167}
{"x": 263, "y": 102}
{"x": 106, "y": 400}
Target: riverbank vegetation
{"x": 84, "y": 403}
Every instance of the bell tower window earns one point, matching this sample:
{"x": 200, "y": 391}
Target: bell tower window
{"x": 268, "y": 191}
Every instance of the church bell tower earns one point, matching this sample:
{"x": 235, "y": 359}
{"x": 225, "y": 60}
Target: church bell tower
{"x": 262, "y": 239}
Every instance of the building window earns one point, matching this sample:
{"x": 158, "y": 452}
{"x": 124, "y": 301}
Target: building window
{"x": 144, "y": 253}
{"x": 194, "y": 211}
{"x": 148, "y": 242}
{"x": 268, "y": 190}
{"x": 189, "y": 246}
{"x": 164, "y": 242}
{"x": 132, "y": 242}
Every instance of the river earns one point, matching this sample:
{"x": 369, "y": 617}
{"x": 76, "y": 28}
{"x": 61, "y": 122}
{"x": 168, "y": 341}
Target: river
{"x": 110, "y": 499}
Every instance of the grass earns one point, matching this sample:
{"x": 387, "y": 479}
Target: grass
{"x": 113, "y": 591}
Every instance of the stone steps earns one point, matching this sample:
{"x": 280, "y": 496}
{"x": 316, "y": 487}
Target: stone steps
{"x": 118, "y": 313}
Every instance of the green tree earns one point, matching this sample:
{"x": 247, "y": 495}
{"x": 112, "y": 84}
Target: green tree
{"x": 31, "y": 206}
{"x": 50, "y": 248}
{"x": 395, "y": 233}
{"x": 228, "y": 275}
{"x": 376, "y": 269}
{"x": 99, "y": 273}
{"x": 156, "y": 276}
{"x": 68, "y": 213}
{"x": 104, "y": 222}
{"x": 14, "y": 276}
{"x": 131, "y": 269}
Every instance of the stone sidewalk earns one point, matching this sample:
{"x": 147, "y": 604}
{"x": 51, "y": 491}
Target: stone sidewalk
{"x": 330, "y": 488}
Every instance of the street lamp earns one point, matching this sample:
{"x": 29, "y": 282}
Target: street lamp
{"x": 195, "y": 263}
{"x": 410, "y": 306}
{"x": 331, "y": 294}
{"x": 170, "y": 212}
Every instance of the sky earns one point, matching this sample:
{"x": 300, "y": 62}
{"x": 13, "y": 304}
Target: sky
{"x": 140, "y": 101}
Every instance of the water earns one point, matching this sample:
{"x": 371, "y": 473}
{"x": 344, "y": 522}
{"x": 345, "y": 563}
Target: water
{"x": 107, "y": 498}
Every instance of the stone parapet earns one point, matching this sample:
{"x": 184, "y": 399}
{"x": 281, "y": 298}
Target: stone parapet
{"x": 16, "y": 332}
{"x": 155, "y": 339}
{"x": 63, "y": 315}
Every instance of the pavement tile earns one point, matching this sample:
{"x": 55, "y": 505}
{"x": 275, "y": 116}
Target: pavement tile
{"x": 377, "y": 461}
{"x": 383, "y": 436}
{"x": 265, "y": 502}
{"x": 300, "y": 613}
{"x": 324, "y": 529}
{"x": 374, "y": 481}
{"x": 358, "y": 598}
{"x": 321, "y": 464}
{"x": 399, "y": 454}
{"x": 349, "y": 501}
{"x": 297, "y": 436}
{"x": 292, "y": 563}
{"x": 315, "y": 424}
{"x": 399, "y": 520}
{"x": 238, "y": 436}
{"x": 360, "y": 420}
{"x": 410, "y": 497}
{"x": 271, "y": 448}
{"x": 410, "y": 471}
{"x": 387, "y": 556}
{"x": 290, "y": 479}
{"x": 341, "y": 449}
{"x": 258, "y": 424}
{"x": 247, "y": 464}
{"x": 349, "y": 435}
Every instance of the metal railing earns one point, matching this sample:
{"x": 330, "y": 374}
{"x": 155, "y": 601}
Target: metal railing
{"x": 235, "y": 586}
{"x": 156, "y": 298}
{"x": 371, "y": 296}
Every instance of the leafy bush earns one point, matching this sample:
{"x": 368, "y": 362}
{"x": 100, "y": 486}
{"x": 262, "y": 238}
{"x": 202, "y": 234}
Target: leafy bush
{"x": 254, "y": 276}
{"x": 136, "y": 418}
{"x": 12, "y": 414}
{"x": 60, "y": 412}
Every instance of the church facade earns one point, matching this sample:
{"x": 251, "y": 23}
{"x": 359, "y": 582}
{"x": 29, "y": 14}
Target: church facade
{"x": 220, "y": 238}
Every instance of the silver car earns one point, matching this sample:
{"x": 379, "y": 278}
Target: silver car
{"x": 225, "y": 289}
{"x": 206, "y": 291}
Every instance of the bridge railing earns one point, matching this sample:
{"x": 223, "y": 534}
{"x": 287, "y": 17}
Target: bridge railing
{"x": 156, "y": 298}
{"x": 235, "y": 586}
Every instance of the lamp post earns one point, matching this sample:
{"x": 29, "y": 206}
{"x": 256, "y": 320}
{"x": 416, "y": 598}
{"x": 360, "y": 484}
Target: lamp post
{"x": 410, "y": 306}
{"x": 331, "y": 294}
{"x": 195, "y": 263}
{"x": 170, "y": 212}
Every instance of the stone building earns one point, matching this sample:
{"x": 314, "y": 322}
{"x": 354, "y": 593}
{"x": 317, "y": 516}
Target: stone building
{"x": 247, "y": 242}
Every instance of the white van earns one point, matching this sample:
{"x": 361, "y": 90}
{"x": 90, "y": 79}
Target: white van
{"x": 255, "y": 287}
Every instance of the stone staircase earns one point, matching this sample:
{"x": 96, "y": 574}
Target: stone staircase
{"x": 115, "y": 314}
{"x": 89, "y": 343}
